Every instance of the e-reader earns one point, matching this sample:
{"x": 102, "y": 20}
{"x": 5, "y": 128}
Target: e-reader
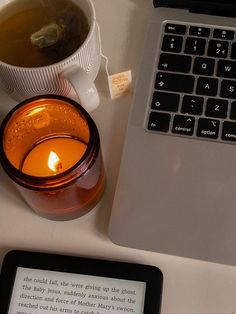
{"x": 42, "y": 283}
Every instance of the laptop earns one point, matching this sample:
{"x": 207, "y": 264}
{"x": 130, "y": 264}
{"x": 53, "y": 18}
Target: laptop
{"x": 176, "y": 189}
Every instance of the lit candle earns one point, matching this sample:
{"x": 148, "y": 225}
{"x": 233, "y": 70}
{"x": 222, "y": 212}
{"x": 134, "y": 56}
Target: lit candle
{"x": 50, "y": 147}
{"x": 53, "y": 156}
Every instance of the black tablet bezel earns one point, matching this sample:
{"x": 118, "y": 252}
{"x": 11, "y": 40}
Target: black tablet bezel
{"x": 151, "y": 275}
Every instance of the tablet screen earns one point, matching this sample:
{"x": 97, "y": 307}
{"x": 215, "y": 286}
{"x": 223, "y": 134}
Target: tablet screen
{"x": 52, "y": 292}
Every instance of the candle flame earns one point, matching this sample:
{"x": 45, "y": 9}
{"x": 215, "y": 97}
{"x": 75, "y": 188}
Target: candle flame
{"x": 54, "y": 162}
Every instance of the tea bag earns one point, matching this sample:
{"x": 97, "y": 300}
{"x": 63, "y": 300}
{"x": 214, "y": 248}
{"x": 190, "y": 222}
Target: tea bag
{"x": 49, "y": 34}
{"x": 61, "y": 36}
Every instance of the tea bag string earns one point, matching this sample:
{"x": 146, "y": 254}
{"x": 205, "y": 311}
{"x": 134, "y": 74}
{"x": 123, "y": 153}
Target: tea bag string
{"x": 119, "y": 83}
{"x": 102, "y": 55}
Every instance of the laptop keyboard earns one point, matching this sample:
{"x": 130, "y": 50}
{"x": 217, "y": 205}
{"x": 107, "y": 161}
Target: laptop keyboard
{"x": 195, "y": 85}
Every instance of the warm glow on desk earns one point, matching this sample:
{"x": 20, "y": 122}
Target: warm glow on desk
{"x": 53, "y": 156}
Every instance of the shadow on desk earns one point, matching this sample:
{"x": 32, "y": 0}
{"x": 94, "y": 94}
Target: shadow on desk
{"x": 8, "y": 189}
{"x": 3, "y": 252}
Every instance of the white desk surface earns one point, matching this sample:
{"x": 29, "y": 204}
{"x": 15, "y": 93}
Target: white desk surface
{"x": 190, "y": 286}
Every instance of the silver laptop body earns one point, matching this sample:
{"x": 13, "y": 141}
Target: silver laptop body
{"x": 175, "y": 194}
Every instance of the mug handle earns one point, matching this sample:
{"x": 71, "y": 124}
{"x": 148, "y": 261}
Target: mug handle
{"x": 83, "y": 86}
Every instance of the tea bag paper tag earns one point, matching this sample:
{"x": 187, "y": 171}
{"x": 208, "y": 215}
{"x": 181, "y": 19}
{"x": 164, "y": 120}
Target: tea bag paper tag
{"x": 119, "y": 83}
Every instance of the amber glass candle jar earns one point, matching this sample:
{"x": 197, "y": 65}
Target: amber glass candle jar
{"x": 50, "y": 147}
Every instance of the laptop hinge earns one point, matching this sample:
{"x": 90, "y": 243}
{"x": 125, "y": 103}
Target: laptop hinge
{"x": 202, "y": 6}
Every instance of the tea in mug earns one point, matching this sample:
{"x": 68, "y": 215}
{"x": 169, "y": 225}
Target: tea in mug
{"x": 40, "y": 32}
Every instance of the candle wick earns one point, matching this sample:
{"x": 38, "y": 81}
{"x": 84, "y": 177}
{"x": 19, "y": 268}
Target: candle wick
{"x": 59, "y": 166}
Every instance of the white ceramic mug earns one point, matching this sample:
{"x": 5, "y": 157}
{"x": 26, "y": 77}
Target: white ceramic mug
{"x": 75, "y": 74}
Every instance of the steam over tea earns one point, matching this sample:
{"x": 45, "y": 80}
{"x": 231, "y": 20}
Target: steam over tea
{"x": 40, "y": 32}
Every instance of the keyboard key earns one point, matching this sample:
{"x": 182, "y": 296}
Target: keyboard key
{"x": 203, "y": 66}
{"x": 175, "y": 28}
{"x": 226, "y": 69}
{"x": 159, "y": 121}
{"x": 233, "y": 51}
{"x": 165, "y": 101}
{"x": 195, "y": 46}
{"x": 175, "y": 63}
{"x": 207, "y": 86}
{"x": 228, "y": 89}
{"x": 223, "y": 34}
{"x": 218, "y": 48}
{"x": 208, "y": 128}
{"x": 174, "y": 82}
{"x": 199, "y": 31}
{"x": 192, "y": 105}
{"x": 172, "y": 43}
{"x": 216, "y": 108}
{"x": 182, "y": 106}
{"x": 183, "y": 125}
{"x": 229, "y": 131}
{"x": 233, "y": 110}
